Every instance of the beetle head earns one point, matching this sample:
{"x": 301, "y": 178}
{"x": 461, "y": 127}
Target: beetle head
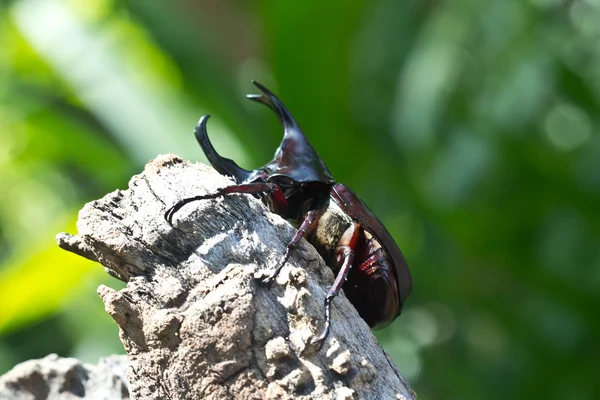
{"x": 295, "y": 159}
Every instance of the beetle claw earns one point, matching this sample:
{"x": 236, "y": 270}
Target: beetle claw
{"x": 170, "y": 213}
{"x": 169, "y": 216}
{"x": 321, "y": 338}
{"x": 271, "y": 277}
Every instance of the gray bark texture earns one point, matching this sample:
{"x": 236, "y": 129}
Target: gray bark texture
{"x": 54, "y": 377}
{"x": 195, "y": 319}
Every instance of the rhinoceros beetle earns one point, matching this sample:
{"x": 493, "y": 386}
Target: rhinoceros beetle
{"x": 297, "y": 185}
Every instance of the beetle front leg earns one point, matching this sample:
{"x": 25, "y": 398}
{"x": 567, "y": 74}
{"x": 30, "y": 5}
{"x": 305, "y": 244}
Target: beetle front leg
{"x": 248, "y": 188}
{"x": 308, "y": 224}
{"x": 344, "y": 256}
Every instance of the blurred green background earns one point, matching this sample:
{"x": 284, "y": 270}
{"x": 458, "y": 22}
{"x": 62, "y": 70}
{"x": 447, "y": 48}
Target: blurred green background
{"x": 470, "y": 127}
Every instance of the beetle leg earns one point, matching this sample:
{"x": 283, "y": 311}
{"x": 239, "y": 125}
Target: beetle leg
{"x": 344, "y": 256}
{"x": 249, "y": 188}
{"x": 308, "y": 224}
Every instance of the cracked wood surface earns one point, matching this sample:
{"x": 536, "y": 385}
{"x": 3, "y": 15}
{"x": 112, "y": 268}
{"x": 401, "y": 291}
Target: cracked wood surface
{"x": 54, "y": 377}
{"x": 195, "y": 320}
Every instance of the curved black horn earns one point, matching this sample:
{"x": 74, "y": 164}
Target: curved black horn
{"x": 269, "y": 99}
{"x": 223, "y": 165}
{"x": 295, "y": 157}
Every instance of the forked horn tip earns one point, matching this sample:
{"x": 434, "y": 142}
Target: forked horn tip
{"x": 265, "y": 92}
{"x": 259, "y": 86}
{"x": 254, "y": 97}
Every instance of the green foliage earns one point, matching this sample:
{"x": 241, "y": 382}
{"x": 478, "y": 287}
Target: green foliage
{"x": 469, "y": 127}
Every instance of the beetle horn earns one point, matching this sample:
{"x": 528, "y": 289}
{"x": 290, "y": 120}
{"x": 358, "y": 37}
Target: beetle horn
{"x": 295, "y": 157}
{"x": 290, "y": 125}
{"x": 223, "y": 165}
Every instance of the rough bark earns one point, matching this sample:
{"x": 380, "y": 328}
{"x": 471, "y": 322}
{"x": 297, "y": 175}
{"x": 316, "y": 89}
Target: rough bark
{"x": 54, "y": 377}
{"x": 194, "y": 318}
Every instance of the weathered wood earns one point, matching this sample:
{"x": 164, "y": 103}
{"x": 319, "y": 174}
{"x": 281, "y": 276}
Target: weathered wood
{"x": 53, "y": 377}
{"x": 195, "y": 320}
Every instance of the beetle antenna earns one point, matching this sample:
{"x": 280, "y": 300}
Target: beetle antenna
{"x": 224, "y": 166}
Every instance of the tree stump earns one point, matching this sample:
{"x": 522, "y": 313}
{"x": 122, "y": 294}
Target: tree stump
{"x": 195, "y": 319}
